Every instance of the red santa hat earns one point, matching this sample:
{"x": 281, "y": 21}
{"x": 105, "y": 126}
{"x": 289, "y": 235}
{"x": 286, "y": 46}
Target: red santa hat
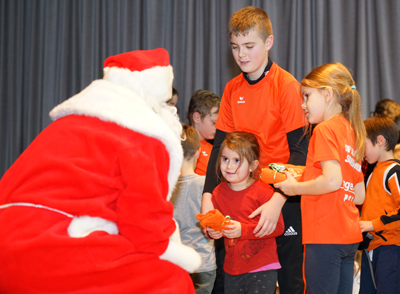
{"x": 146, "y": 72}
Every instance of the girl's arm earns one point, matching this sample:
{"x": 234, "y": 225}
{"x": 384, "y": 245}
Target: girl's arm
{"x": 359, "y": 191}
{"x": 213, "y": 234}
{"x": 330, "y": 181}
{"x": 206, "y": 206}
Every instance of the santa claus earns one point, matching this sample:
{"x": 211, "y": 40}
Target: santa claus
{"x": 85, "y": 208}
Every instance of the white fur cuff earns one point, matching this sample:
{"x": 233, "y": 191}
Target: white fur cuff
{"x": 84, "y": 225}
{"x": 183, "y": 256}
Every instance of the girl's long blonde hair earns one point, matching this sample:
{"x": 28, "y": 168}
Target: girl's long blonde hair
{"x": 337, "y": 77}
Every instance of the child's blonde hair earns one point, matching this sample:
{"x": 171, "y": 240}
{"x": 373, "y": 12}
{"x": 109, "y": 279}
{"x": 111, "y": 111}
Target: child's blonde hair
{"x": 190, "y": 141}
{"x": 337, "y": 77}
{"x": 248, "y": 18}
{"x": 245, "y": 145}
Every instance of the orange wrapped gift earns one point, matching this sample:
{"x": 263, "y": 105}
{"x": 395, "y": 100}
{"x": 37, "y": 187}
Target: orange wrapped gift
{"x": 214, "y": 219}
{"x": 275, "y": 172}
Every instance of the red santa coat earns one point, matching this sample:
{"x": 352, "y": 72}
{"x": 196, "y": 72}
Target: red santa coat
{"x": 106, "y": 156}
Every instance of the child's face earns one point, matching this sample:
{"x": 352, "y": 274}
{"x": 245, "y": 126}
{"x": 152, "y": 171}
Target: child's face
{"x": 206, "y": 126}
{"x": 173, "y": 100}
{"x": 251, "y": 53}
{"x": 314, "y": 104}
{"x": 236, "y": 176}
{"x": 371, "y": 152}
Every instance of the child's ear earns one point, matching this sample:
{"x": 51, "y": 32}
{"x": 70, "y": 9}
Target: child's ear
{"x": 328, "y": 93}
{"x": 196, "y": 117}
{"x": 269, "y": 42}
{"x": 197, "y": 154}
{"x": 380, "y": 140}
{"x": 253, "y": 165}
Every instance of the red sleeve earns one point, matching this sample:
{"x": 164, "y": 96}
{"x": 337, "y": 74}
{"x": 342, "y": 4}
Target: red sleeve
{"x": 145, "y": 217}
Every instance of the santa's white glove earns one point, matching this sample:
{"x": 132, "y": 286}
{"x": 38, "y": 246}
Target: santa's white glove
{"x": 181, "y": 255}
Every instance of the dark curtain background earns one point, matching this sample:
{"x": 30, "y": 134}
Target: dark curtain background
{"x": 52, "y": 49}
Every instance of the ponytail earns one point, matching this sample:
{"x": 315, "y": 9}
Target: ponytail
{"x": 357, "y": 123}
{"x": 337, "y": 77}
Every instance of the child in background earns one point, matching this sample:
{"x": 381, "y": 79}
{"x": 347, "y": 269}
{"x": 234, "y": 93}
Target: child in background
{"x": 202, "y": 115}
{"x": 380, "y": 214}
{"x": 174, "y": 98}
{"x": 332, "y": 183}
{"x": 266, "y": 101}
{"x": 396, "y": 152}
{"x": 186, "y": 199}
{"x": 251, "y": 263}
{"x": 390, "y": 109}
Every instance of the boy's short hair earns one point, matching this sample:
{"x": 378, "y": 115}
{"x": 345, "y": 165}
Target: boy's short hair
{"x": 384, "y": 126}
{"x": 248, "y": 18}
{"x": 190, "y": 141}
{"x": 202, "y": 101}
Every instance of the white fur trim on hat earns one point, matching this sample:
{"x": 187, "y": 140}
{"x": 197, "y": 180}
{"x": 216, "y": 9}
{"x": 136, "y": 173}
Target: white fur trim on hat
{"x": 113, "y": 103}
{"x": 155, "y": 82}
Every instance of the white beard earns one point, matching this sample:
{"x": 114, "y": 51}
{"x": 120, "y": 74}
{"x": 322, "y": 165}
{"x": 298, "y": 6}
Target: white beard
{"x": 167, "y": 113}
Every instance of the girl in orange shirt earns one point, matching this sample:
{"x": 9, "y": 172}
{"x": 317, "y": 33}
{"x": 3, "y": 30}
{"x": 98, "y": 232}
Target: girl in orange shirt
{"x": 332, "y": 182}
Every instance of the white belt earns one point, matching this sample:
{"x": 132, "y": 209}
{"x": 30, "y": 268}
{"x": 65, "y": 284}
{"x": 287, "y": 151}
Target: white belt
{"x": 80, "y": 226}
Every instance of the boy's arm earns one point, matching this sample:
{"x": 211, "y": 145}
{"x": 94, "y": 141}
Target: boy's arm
{"x": 391, "y": 220}
{"x": 298, "y": 145}
{"x": 248, "y": 230}
{"x": 206, "y": 203}
{"x": 211, "y": 176}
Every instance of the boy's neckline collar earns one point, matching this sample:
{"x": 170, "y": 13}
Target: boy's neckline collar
{"x": 266, "y": 70}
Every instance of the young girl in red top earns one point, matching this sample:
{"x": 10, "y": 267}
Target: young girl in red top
{"x": 251, "y": 263}
{"x": 332, "y": 182}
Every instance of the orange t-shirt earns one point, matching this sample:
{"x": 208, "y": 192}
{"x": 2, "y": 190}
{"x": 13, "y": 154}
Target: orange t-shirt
{"x": 202, "y": 162}
{"x": 332, "y": 218}
{"x": 269, "y": 109}
{"x": 382, "y": 204}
